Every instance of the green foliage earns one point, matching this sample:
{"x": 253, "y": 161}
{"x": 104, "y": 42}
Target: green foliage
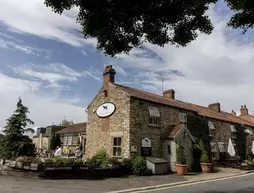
{"x": 127, "y": 163}
{"x": 181, "y": 158}
{"x": 243, "y": 17}
{"x": 105, "y": 163}
{"x": 28, "y": 160}
{"x": 66, "y": 123}
{"x": 79, "y": 161}
{"x": 49, "y": 161}
{"x": 139, "y": 165}
{"x": 55, "y": 141}
{"x": 120, "y": 26}
{"x": 99, "y": 158}
{"x": 113, "y": 161}
{"x": 14, "y": 143}
{"x": 204, "y": 156}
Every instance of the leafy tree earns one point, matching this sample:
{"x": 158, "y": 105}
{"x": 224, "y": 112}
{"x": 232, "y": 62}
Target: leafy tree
{"x": 119, "y": 26}
{"x": 66, "y": 123}
{"x": 14, "y": 143}
{"x": 243, "y": 17}
{"x": 55, "y": 141}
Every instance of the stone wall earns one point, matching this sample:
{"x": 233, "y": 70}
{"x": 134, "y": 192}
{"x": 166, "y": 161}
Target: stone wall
{"x": 140, "y": 127}
{"x": 100, "y": 131}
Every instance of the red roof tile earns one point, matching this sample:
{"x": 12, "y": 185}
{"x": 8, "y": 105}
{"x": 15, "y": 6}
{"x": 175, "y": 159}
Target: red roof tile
{"x": 203, "y": 111}
{"x": 175, "y": 131}
{"x": 75, "y": 128}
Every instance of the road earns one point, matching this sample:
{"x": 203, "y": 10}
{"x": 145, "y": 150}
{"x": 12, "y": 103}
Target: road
{"x": 243, "y": 184}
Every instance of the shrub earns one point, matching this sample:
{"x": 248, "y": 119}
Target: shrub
{"x": 79, "y": 161}
{"x": 28, "y": 160}
{"x": 127, "y": 163}
{"x": 99, "y": 158}
{"x": 181, "y": 158}
{"x": 105, "y": 163}
{"x": 114, "y": 161}
{"x": 204, "y": 156}
{"x": 139, "y": 166}
{"x": 63, "y": 161}
{"x": 49, "y": 161}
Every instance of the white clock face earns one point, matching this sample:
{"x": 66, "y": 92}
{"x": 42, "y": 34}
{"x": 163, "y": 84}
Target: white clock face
{"x": 105, "y": 110}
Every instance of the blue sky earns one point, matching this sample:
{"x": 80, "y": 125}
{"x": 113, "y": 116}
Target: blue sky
{"x": 57, "y": 73}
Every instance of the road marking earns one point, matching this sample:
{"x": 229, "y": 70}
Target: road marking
{"x": 192, "y": 183}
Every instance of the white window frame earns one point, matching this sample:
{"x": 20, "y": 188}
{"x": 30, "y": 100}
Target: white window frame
{"x": 154, "y": 116}
{"x": 233, "y": 131}
{"x": 117, "y": 146}
{"x": 223, "y": 149}
{"x": 65, "y": 140}
{"x": 215, "y": 148}
{"x": 69, "y": 140}
{"x": 183, "y": 117}
{"x": 211, "y": 128}
{"x": 75, "y": 139}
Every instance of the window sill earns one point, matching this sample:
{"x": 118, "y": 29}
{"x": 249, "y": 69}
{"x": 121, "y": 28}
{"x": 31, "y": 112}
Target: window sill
{"x": 151, "y": 125}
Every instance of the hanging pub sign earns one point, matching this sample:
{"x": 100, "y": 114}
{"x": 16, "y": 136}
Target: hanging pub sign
{"x": 105, "y": 110}
{"x": 146, "y": 147}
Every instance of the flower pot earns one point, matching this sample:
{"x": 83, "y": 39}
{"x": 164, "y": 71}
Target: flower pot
{"x": 206, "y": 167}
{"x": 181, "y": 169}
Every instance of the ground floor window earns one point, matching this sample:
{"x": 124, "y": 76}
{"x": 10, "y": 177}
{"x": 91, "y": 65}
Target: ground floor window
{"x": 117, "y": 147}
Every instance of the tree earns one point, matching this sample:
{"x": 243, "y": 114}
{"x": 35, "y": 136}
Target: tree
{"x": 14, "y": 143}
{"x": 66, "y": 123}
{"x": 55, "y": 141}
{"x": 119, "y": 26}
{"x": 243, "y": 17}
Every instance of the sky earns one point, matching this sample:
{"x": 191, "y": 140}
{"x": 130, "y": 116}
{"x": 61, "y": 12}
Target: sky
{"x": 46, "y": 62}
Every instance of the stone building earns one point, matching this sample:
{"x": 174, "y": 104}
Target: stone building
{"x": 73, "y": 136}
{"x": 125, "y": 122}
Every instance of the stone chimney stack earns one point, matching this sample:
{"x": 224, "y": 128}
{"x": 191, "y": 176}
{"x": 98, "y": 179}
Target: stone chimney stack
{"x": 215, "y": 107}
{"x": 244, "y": 110}
{"x": 108, "y": 76}
{"x": 170, "y": 94}
{"x": 233, "y": 112}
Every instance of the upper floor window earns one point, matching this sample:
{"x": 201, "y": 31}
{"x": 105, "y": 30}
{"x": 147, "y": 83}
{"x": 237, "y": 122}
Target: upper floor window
{"x": 233, "y": 131}
{"x": 48, "y": 130}
{"x": 211, "y": 128}
{"x": 38, "y": 131}
{"x": 183, "y": 117}
{"x": 154, "y": 116}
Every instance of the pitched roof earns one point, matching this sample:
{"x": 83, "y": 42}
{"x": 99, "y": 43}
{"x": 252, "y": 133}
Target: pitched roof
{"x": 75, "y": 128}
{"x": 176, "y": 129}
{"x": 203, "y": 111}
{"x": 249, "y": 118}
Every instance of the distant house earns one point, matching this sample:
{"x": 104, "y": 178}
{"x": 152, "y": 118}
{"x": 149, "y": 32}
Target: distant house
{"x": 73, "y": 136}
{"x": 46, "y": 133}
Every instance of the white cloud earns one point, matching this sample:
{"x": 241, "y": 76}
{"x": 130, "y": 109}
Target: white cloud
{"x": 44, "y": 108}
{"x": 33, "y": 17}
{"x": 213, "y": 68}
{"x": 83, "y": 52}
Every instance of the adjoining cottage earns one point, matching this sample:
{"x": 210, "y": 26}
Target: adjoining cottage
{"x": 43, "y": 136}
{"x": 126, "y": 122}
{"x": 73, "y": 136}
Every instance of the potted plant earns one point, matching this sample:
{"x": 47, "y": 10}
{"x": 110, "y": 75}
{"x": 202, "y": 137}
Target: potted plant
{"x": 181, "y": 166}
{"x": 205, "y": 164}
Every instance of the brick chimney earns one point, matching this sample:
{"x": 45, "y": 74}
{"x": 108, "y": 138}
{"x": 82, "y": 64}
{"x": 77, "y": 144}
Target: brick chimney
{"x": 170, "y": 94}
{"x": 233, "y": 112}
{"x": 215, "y": 107}
{"x": 108, "y": 76}
{"x": 244, "y": 110}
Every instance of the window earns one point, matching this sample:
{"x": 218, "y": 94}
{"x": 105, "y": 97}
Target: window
{"x": 74, "y": 140}
{"x": 117, "y": 147}
{"x": 48, "y": 131}
{"x": 69, "y": 140}
{"x": 65, "y": 140}
{"x": 154, "y": 116}
{"x": 233, "y": 131}
{"x": 211, "y": 128}
{"x": 62, "y": 139}
{"x": 213, "y": 147}
{"x": 38, "y": 131}
{"x": 183, "y": 117}
{"x": 221, "y": 147}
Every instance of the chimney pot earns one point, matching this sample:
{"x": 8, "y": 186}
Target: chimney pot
{"x": 215, "y": 107}
{"x": 233, "y": 112}
{"x": 108, "y": 76}
{"x": 244, "y": 110}
{"x": 170, "y": 94}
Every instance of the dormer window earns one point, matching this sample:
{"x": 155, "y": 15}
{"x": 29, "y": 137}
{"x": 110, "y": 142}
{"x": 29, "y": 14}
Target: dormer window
{"x": 183, "y": 118}
{"x": 154, "y": 116}
{"x": 211, "y": 128}
{"x": 48, "y": 131}
{"x": 233, "y": 131}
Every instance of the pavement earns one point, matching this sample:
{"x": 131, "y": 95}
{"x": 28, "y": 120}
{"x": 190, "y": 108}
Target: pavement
{"x": 10, "y": 184}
